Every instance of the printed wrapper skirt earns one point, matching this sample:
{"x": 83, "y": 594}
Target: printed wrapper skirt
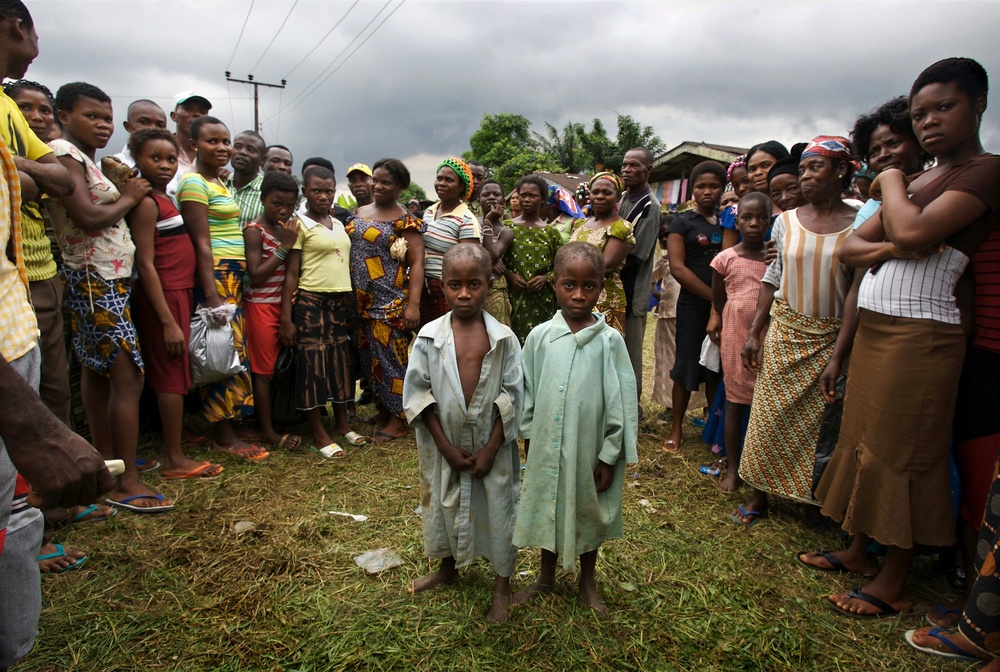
{"x": 324, "y": 365}
{"x": 100, "y": 319}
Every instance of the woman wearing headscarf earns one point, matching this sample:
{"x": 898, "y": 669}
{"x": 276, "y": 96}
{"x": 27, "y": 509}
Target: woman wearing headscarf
{"x": 449, "y": 221}
{"x": 561, "y": 211}
{"x": 811, "y": 326}
{"x": 606, "y": 230}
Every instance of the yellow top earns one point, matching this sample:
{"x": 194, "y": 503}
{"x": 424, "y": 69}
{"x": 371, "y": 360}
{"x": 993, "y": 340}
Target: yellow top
{"x": 326, "y": 256}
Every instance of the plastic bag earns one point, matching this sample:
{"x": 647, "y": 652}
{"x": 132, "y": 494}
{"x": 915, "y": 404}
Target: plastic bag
{"x": 711, "y": 358}
{"x": 378, "y": 560}
{"x": 212, "y": 350}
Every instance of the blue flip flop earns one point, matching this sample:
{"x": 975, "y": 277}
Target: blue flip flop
{"x": 939, "y": 634}
{"x": 754, "y": 516}
{"x": 61, "y": 553}
{"x": 82, "y": 516}
{"x": 124, "y": 504}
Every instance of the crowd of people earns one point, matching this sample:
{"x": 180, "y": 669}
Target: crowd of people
{"x": 817, "y": 302}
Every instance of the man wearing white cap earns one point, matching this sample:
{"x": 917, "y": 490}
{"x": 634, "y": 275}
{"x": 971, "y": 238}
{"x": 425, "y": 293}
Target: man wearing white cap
{"x": 188, "y": 106}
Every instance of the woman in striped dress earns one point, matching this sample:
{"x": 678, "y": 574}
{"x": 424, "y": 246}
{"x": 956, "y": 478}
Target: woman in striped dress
{"x": 812, "y": 322}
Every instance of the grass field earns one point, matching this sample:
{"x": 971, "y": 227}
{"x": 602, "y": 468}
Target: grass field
{"x": 688, "y": 589}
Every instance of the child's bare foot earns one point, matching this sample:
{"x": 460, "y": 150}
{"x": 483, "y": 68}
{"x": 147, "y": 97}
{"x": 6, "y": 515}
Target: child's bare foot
{"x": 446, "y": 573}
{"x": 539, "y": 586}
{"x": 592, "y": 597}
{"x": 499, "y": 611}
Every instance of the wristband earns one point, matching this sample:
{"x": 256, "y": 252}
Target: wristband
{"x": 281, "y": 253}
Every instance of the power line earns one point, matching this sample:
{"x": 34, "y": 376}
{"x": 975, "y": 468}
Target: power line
{"x": 342, "y": 52}
{"x": 344, "y": 62}
{"x": 240, "y": 38}
{"x": 329, "y": 32}
{"x": 263, "y": 53}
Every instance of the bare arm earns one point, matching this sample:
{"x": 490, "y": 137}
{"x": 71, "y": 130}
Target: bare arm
{"x": 48, "y": 173}
{"x": 415, "y": 260}
{"x": 913, "y": 228}
{"x": 91, "y": 216}
{"x": 845, "y": 341}
{"x": 729, "y": 238}
{"x": 615, "y": 251}
{"x": 761, "y": 316}
{"x": 288, "y": 288}
{"x": 678, "y": 268}
{"x": 142, "y": 224}
{"x": 457, "y": 459}
{"x": 63, "y": 469}
{"x": 196, "y": 220}
{"x": 29, "y": 189}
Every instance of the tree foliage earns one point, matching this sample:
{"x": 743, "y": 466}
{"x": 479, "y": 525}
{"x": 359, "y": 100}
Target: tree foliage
{"x": 412, "y": 191}
{"x": 505, "y": 145}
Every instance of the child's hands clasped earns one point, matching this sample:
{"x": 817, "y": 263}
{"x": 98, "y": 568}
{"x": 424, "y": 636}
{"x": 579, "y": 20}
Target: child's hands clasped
{"x": 603, "y": 475}
{"x": 458, "y": 459}
{"x": 482, "y": 462}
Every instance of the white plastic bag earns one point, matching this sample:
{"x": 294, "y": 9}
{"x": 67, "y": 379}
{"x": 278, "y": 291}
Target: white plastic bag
{"x": 378, "y": 560}
{"x": 212, "y": 350}
{"x": 711, "y": 358}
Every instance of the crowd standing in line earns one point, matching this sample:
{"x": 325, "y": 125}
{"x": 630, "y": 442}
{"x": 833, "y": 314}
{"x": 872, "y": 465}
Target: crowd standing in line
{"x": 832, "y": 292}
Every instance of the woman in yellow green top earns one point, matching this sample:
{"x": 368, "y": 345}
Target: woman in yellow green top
{"x": 606, "y": 230}
{"x": 318, "y": 310}
{"x": 213, "y": 222}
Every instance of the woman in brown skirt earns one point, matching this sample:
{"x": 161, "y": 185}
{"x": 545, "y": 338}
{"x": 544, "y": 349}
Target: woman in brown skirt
{"x": 317, "y": 308}
{"x": 888, "y": 478}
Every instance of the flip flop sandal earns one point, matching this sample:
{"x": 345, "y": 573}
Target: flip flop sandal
{"x": 61, "y": 553}
{"x": 142, "y": 466}
{"x": 884, "y": 608}
{"x": 289, "y": 442}
{"x": 354, "y": 439}
{"x": 251, "y": 452}
{"x": 333, "y": 450}
{"x": 197, "y": 472}
{"x": 956, "y": 653}
{"x": 943, "y": 611}
{"x": 672, "y": 447}
{"x": 754, "y": 516}
{"x": 125, "y": 504}
{"x": 387, "y": 437}
{"x": 93, "y": 508}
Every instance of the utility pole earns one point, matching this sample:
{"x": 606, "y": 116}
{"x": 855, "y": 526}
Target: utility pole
{"x": 256, "y": 96}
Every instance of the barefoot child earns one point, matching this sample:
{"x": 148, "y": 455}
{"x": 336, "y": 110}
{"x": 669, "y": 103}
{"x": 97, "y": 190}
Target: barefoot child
{"x": 268, "y": 240}
{"x": 580, "y": 421}
{"x": 735, "y": 288}
{"x": 98, "y": 255}
{"x": 463, "y": 392}
{"x": 164, "y": 296}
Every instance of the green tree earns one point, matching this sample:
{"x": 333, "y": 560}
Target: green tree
{"x": 412, "y": 191}
{"x": 505, "y": 145}
{"x": 567, "y": 148}
{"x": 608, "y": 154}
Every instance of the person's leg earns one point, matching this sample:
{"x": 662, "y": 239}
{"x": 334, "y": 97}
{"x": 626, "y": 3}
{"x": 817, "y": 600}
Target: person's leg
{"x": 20, "y": 591}
{"x": 321, "y": 438}
{"x": 122, "y": 418}
{"x": 95, "y": 391}
{"x": 445, "y": 573}
{"x": 889, "y": 586}
{"x": 175, "y": 462}
{"x": 340, "y": 424}
{"x": 262, "y": 408}
{"x": 46, "y": 299}
{"x": 546, "y": 579}
{"x": 635, "y": 333}
{"x": 853, "y": 559}
{"x": 680, "y": 396}
{"x": 588, "y": 582}
{"x": 754, "y": 508}
{"x": 734, "y": 445}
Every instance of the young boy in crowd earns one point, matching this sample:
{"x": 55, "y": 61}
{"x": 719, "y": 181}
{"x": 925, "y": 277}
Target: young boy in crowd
{"x": 463, "y": 393}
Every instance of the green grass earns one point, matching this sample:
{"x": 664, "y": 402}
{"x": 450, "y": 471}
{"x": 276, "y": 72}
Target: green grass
{"x": 688, "y": 589}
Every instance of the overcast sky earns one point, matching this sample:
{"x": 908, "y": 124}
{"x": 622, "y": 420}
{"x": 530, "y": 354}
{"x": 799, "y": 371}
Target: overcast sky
{"x": 732, "y": 73}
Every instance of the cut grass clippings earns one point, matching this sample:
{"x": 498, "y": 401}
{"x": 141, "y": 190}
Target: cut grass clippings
{"x": 688, "y": 589}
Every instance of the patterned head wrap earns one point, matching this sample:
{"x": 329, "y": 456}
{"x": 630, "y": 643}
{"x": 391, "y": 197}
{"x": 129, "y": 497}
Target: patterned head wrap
{"x": 740, "y": 162}
{"x": 463, "y": 171}
{"x": 610, "y": 177}
{"x": 561, "y": 200}
{"x": 833, "y": 146}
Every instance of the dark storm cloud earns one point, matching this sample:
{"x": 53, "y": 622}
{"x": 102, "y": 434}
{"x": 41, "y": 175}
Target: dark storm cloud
{"x": 724, "y": 72}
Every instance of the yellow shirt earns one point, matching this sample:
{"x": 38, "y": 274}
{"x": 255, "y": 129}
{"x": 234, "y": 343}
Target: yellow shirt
{"x": 23, "y": 142}
{"x": 18, "y": 327}
{"x": 326, "y": 256}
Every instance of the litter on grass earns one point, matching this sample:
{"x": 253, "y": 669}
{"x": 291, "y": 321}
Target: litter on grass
{"x": 357, "y": 517}
{"x": 244, "y": 526}
{"x": 378, "y": 560}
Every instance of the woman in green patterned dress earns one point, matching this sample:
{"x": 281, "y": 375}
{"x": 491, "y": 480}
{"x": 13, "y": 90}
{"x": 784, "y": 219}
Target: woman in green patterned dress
{"x": 529, "y": 260}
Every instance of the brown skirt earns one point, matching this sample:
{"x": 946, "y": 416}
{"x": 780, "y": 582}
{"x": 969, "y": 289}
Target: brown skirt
{"x": 888, "y": 477}
{"x": 324, "y": 362}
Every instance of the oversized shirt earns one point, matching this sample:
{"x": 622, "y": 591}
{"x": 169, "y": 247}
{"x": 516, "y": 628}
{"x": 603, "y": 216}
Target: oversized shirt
{"x": 466, "y": 517}
{"x": 579, "y": 407}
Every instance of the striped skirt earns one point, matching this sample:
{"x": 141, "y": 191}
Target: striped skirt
{"x": 324, "y": 362}
{"x": 787, "y": 408}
